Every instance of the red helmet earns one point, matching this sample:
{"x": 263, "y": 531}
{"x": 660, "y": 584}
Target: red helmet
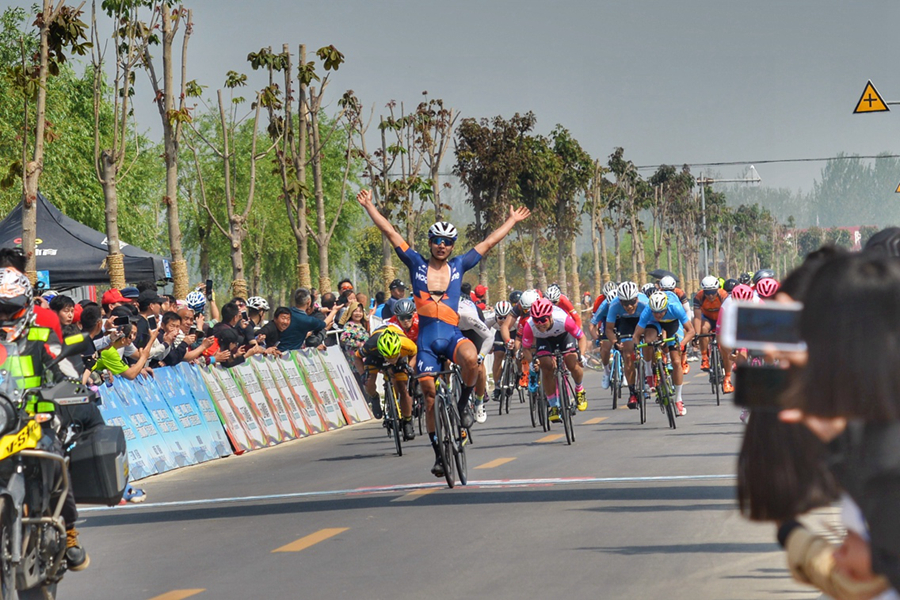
{"x": 541, "y": 308}
{"x": 742, "y": 292}
{"x": 766, "y": 288}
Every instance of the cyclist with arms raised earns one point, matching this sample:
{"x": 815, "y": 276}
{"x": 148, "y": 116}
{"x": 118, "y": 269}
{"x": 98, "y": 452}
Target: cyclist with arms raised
{"x": 436, "y": 282}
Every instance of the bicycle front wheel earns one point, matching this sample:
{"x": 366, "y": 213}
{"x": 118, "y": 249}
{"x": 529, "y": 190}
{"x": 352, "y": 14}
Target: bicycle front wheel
{"x": 533, "y": 407}
{"x": 442, "y": 426}
{"x": 459, "y": 447}
{"x": 615, "y": 381}
{"x": 666, "y": 395}
{"x": 715, "y": 366}
{"x": 393, "y": 415}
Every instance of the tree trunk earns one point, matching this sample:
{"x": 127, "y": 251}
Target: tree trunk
{"x": 617, "y": 254}
{"x": 604, "y": 259}
{"x": 576, "y": 280}
{"x": 501, "y": 272}
{"x": 33, "y": 169}
{"x": 539, "y": 265}
{"x": 717, "y": 267}
{"x": 561, "y": 251}
{"x": 301, "y": 234}
{"x": 170, "y": 141}
{"x": 321, "y": 225}
{"x": 387, "y": 267}
{"x": 114, "y": 259}
{"x": 596, "y": 232}
{"x": 529, "y": 260}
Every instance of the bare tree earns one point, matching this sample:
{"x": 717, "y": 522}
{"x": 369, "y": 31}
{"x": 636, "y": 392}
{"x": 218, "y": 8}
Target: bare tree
{"x": 172, "y": 121}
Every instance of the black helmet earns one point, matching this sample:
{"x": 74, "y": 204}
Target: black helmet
{"x": 514, "y": 297}
{"x": 729, "y": 284}
{"x": 404, "y": 308}
{"x": 763, "y": 274}
{"x": 745, "y": 278}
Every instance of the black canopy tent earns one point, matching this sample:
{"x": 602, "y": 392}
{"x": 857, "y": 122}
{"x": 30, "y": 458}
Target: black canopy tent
{"x": 73, "y": 253}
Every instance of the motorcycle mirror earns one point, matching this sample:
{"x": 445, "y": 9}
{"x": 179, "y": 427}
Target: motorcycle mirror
{"x": 72, "y": 345}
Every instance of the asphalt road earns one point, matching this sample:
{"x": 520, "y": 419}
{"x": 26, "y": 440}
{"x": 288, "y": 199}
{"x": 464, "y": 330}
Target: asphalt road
{"x": 628, "y": 511}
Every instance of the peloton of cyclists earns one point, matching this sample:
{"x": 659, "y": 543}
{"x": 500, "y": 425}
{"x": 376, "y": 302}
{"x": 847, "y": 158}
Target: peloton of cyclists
{"x": 436, "y": 282}
{"x": 623, "y": 316}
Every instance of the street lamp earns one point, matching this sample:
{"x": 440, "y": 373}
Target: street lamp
{"x": 704, "y": 181}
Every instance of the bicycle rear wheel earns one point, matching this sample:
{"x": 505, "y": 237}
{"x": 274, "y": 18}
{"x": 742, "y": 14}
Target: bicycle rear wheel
{"x": 533, "y": 407}
{"x": 715, "y": 367}
{"x": 393, "y": 415}
{"x": 564, "y": 413}
{"x": 615, "y": 380}
{"x": 443, "y": 431}
{"x": 459, "y": 448}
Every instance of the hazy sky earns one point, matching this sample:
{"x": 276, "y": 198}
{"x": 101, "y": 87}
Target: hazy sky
{"x": 670, "y": 81}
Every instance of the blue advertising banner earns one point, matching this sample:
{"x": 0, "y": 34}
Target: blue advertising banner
{"x": 181, "y": 402}
{"x": 191, "y": 375}
{"x": 139, "y": 462}
{"x": 133, "y": 407}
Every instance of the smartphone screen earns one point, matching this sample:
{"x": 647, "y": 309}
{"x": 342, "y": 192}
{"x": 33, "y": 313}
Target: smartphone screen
{"x": 765, "y": 326}
{"x": 209, "y": 288}
{"x": 152, "y": 322}
{"x": 120, "y": 321}
{"x": 759, "y": 387}
{"x": 192, "y": 330}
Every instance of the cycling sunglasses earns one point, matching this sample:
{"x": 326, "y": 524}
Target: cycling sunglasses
{"x": 628, "y": 302}
{"x": 443, "y": 240}
{"x": 542, "y": 320}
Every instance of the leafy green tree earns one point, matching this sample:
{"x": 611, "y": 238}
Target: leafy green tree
{"x": 489, "y": 158}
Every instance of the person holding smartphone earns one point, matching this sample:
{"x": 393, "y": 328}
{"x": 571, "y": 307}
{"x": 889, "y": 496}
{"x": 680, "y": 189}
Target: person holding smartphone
{"x": 149, "y": 308}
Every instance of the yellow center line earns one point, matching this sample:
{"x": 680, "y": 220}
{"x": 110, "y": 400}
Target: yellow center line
{"x": 595, "y": 421}
{"x": 414, "y": 494}
{"x": 550, "y": 438}
{"x": 178, "y": 594}
{"x": 495, "y": 463}
{"x": 311, "y": 539}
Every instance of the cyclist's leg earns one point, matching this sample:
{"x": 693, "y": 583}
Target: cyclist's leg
{"x": 548, "y": 381}
{"x": 651, "y": 334}
{"x": 465, "y": 356}
{"x": 704, "y": 342}
{"x": 674, "y": 329}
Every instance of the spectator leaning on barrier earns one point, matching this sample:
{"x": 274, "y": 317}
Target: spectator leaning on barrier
{"x": 301, "y": 323}
{"x": 281, "y": 318}
{"x": 329, "y": 304}
{"x": 111, "y": 361}
{"x": 165, "y": 339}
{"x": 355, "y": 332}
{"x": 378, "y": 305}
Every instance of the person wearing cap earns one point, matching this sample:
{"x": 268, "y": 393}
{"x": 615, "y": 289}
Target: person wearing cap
{"x": 149, "y": 308}
{"x": 398, "y": 291}
{"x": 111, "y": 299}
{"x": 130, "y": 292}
{"x": 478, "y": 296}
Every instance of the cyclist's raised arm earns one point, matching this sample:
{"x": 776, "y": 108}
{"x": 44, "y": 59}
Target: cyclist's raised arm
{"x": 365, "y": 200}
{"x": 688, "y": 333}
{"x": 515, "y": 215}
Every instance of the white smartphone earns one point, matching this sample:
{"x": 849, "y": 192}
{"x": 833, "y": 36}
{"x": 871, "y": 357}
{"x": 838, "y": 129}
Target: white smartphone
{"x": 763, "y": 326}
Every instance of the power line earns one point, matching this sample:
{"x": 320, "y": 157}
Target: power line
{"x": 775, "y": 161}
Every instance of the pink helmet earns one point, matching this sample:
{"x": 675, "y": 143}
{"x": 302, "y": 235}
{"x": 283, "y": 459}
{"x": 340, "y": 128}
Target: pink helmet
{"x": 766, "y": 288}
{"x": 541, "y": 308}
{"x": 742, "y": 292}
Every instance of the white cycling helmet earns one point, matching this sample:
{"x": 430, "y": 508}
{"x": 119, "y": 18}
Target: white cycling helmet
{"x": 443, "y": 229}
{"x": 610, "y": 289}
{"x": 710, "y": 283}
{"x": 503, "y": 308}
{"x": 667, "y": 283}
{"x": 196, "y": 301}
{"x": 628, "y": 290}
{"x": 659, "y": 301}
{"x": 258, "y": 303}
{"x": 648, "y": 288}
{"x": 553, "y": 293}
{"x": 527, "y": 298}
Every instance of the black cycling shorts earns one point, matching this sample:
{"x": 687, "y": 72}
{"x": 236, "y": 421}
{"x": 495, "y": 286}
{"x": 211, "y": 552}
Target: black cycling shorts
{"x": 626, "y": 326}
{"x": 499, "y": 345}
{"x": 564, "y": 342}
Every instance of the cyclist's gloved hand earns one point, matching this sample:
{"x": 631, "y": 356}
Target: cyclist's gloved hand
{"x": 584, "y": 360}
{"x": 511, "y": 344}
{"x": 480, "y": 358}
{"x": 597, "y": 342}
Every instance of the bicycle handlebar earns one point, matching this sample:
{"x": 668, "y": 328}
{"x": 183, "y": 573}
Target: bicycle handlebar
{"x": 657, "y": 342}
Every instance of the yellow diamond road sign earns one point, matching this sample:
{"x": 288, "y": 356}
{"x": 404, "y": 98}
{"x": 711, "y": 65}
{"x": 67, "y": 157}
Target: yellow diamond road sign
{"x": 897, "y": 191}
{"x": 870, "y": 101}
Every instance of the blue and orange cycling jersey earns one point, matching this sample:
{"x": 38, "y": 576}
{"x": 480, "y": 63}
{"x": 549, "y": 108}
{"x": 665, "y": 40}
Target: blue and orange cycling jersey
{"x": 439, "y": 333}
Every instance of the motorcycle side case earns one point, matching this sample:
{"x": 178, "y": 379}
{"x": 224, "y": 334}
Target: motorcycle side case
{"x": 99, "y": 466}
